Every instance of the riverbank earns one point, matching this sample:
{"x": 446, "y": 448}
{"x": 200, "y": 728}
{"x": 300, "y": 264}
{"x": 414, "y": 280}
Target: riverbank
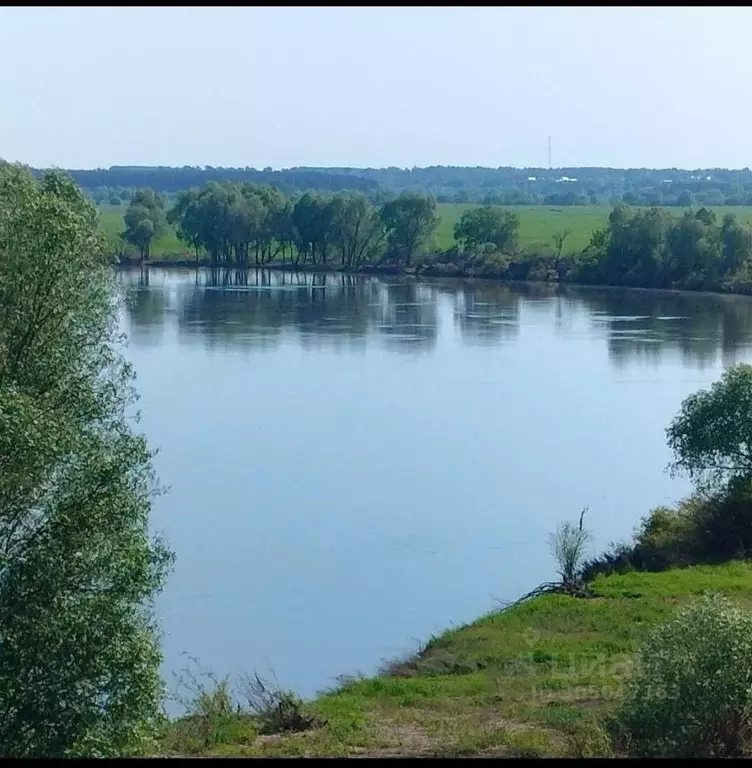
{"x": 530, "y": 680}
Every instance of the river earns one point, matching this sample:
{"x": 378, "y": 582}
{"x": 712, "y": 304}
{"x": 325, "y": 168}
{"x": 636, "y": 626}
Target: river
{"x": 355, "y": 463}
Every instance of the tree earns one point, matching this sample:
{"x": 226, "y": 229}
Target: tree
{"x": 79, "y": 654}
{"x": 272, "y": 209}
{"x": 358, "y": 230}
{"x": 313, "y": 216}
{"x": 695, "y": 249}
{"x": 711, "y": 436}
{"x": 144, "y": 221}
{"x": 185, "y": 216}
{"x": 736, "y": 244}
{"x": 409, "y": 220}
{"x": 559, "y": 239}
{"x": 284, "y": 230}
{"x": 488, "y": 224}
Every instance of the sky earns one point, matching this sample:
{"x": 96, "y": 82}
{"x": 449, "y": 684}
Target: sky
{"x": 629, "y": 87}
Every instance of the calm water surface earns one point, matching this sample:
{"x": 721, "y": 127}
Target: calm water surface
{"x": 356, "y": 463}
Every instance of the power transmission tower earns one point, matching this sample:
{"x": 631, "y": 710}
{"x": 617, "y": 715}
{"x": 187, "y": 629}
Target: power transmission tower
{"x": 549, "y": 153}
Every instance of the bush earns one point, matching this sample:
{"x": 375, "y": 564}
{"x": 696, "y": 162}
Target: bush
{"x": 691, "y": 693}
{"x": 587, "y": 738}
{"x": 702, "y": 529}
{"x": 665, "y": 538}
{"x": 568, "y": 547}
{"x": 723, "y": 524}
{"x": 277, "y": 711}
{"x": 211, "y": 716}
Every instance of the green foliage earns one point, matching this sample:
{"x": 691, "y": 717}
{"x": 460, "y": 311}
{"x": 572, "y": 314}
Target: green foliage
{"x": 211, "y": 716}
{"x": 241, "y": 224}
{"x": 588, "y": 738}
{"x": 145, "y": 220}
{"x": 488, "y": 224}
{"x": 313, "y": 218}
{"x": 664, "y": 538}
{"x": 711, "y": 437}
{"x": 410, "y": 220}
{"x": 707, "y": 528}
{"x": 358, "y": 231}
{"x": 79, "y": 655}
{"x": 691, "y": 694}
{"x": 652, "y": 248}
{"x": 186, "y": 215}
{"x": 244, "y": 224}
{"x": 723, "y": 523}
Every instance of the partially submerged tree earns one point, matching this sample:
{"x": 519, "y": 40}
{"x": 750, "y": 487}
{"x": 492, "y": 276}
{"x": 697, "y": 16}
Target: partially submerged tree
{"x": 79, "y": 652}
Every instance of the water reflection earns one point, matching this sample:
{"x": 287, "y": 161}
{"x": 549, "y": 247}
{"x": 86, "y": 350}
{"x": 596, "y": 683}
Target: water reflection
{"x": 486, "y": 313}
{"x": 643, "y": 325}
{"x": 256, "y": 309}
{"x": 147, "y": 309}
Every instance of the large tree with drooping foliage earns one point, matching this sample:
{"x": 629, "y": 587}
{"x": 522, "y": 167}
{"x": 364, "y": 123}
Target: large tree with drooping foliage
{"x": 488, "y": 224}
{"x": 711, "y": 436}
{"x": 145, "y": 221}
{"x": 79, "y": 650}
{"x": 410, "y": 220}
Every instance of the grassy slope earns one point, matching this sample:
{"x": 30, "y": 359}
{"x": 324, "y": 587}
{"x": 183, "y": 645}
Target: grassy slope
{"x": 511, "y": 683}
{"x": 538, "y": 224}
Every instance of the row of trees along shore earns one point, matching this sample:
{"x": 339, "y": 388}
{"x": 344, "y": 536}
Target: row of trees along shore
{"x": 246, "y": 225}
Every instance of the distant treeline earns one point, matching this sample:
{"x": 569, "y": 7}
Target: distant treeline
{"x": 163, "y": 179}
{"x": 448, "y": 184}
{"x": 245, "y": 225}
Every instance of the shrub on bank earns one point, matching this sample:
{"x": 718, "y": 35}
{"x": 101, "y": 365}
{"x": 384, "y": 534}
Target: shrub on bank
{"x": 691, "y": 693}
{"x": 701, "y": 529}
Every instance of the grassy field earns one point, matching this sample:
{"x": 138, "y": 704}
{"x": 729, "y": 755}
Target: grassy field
{"x": 538, "y": 224}
{"x": 112, "y": 224}
{"x": 527, "y": 681}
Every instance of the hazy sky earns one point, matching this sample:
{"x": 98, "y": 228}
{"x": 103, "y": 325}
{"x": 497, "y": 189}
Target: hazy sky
{"x": 621, "y": 87}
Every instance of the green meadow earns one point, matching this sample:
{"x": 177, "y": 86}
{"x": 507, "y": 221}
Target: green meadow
{"x": 111, "y": 221}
